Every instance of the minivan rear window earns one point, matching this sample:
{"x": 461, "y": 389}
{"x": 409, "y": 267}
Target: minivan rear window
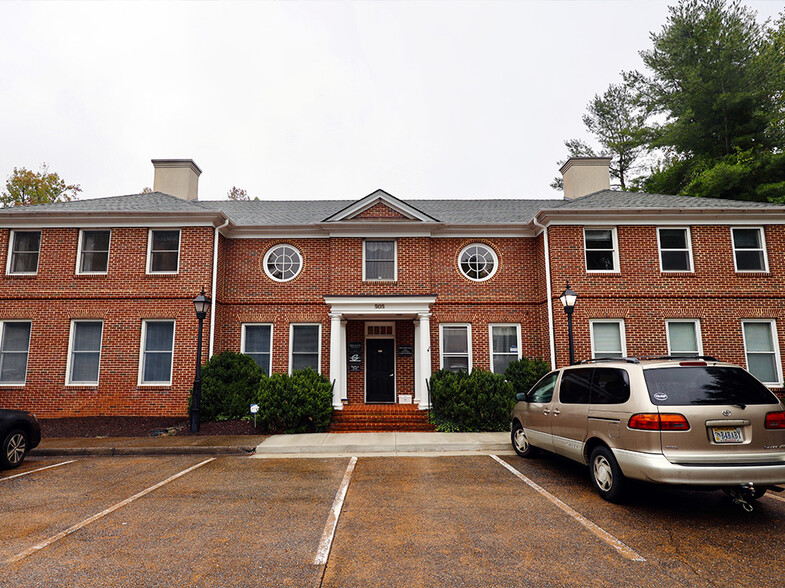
{"x": 705, "y": 385}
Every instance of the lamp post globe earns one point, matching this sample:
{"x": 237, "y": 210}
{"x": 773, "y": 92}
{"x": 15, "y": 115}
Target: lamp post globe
{"x": 568, "y": 299}
{"x": 201, "y": 306}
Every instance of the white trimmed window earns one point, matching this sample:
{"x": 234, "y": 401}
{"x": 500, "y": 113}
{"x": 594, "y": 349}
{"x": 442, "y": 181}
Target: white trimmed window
{"x": 84, "y": 352}
{"x": 283, "y": 262}
{"x": 93, "y": 256}
{"x": 505, "y": 345}
{"x": 601, "y": 250}
{"x": 14, "y": 351}
{"x": 478, "y": 262}
{"x": 380, "y": 261}
{"x": 749, "y": 249}
{"x": 456, "y": 347}
{"x": 23, "y": 252}
{"x": 684, "y": 338}
{"x": 675, "y": 249}
{"x": 762, "y": 351}
{"x": 163, "y": 255}
{"x": 305, "y": 343}
{"x": 157, "y": 351}
{"x": 257, "y": 343}
{"x": 608, "y": 339}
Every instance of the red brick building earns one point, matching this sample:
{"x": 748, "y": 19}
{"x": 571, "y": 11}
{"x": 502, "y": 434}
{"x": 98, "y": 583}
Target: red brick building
{"x": 95, "y": 299}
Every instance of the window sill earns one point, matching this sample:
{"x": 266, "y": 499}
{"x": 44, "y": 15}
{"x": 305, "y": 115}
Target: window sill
{"x": 35, "y": 275}
{"x": 753, "y": 273}
{"x": 154, "y": 387}
{"x": 380, "y": 281}
{"x": 8, "y": 385}
{"x": 676, "y": 274}
{"x": 91, "y": 275}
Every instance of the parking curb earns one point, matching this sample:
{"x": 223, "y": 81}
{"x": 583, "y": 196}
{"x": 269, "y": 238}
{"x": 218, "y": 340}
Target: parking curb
{"x": 140, "y": 451}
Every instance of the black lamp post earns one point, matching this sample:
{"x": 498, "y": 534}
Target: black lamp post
{"x": 201, "y": 305}
{"x": 568, "y": 299}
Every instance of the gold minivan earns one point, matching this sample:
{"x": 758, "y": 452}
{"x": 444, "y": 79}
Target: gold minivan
{"x": 692, "y": 421}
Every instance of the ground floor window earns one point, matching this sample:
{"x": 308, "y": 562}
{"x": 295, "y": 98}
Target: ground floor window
{"x": 456, "y": 347}
{"x": 84, "y": 354}
{"x": 157, "y": 351}
{"x": 257, "y": 341}
{"x": 505, "y": 346}
{"x": 304, "y": 347}
{"x": 684, "y": 339}
{"x": 762, "y": 351}
{"x": 14, "y": 349}
{"x": 607, "y": 339}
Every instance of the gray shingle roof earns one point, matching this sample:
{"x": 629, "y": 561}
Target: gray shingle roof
{"x": 613, "y": 199}
{"x": 130, "y": 203}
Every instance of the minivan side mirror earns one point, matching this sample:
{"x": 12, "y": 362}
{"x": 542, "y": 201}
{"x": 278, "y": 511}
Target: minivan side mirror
{"x": 520, "y": 396}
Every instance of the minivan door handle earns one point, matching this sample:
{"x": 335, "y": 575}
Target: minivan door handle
{"x": 556, "y": 412}
{"x": 546, "y": 411}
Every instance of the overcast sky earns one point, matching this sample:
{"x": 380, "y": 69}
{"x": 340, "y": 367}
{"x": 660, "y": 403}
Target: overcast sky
{"x": 312, "y": 100}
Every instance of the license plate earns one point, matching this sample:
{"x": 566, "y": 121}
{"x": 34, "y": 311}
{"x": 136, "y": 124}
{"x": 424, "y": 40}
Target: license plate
{"x": 727, "y": 434}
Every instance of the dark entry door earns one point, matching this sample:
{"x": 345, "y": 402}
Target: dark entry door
{"x": 380, "y": 370}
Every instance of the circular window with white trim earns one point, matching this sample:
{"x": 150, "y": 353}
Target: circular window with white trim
{"x": 478, "y": 262}
{"x": 282, "y": 263}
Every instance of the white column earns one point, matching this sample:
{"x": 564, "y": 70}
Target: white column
{"x": 418, "y": 385}
{"x": 336, "y": 365}
{"x": 425, "y": 358}
{"x": 343, "y": 377}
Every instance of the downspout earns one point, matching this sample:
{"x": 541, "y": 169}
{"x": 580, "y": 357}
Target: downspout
{"x": 551, "y": 335}
{"x": 215, "y": 287}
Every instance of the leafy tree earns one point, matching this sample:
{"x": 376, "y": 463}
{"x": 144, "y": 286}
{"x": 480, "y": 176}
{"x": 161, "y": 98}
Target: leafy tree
{"x": 24, "y": 187}
{"x": 618, "y": 123}
{"x": 237, "y": 194}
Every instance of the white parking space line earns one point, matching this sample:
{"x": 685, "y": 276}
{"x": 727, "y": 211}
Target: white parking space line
{"x": 770, "y": 495}
{"x": 599, "y": 532}
{"x": 335, "y": 512}
{"x": 57, "y": 465}
{"x": 103, "y": 513}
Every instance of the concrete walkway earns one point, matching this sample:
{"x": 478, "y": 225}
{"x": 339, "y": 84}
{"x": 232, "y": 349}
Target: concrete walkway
{"x": 370, "y": 444}
{"x": 306, "y": 445}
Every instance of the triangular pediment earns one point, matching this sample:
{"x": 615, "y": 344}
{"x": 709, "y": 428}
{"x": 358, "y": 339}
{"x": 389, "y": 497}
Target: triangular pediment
{"x": 379, "y": 206}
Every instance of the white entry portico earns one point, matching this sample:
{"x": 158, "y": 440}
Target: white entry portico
{"x": 380, "y": 308}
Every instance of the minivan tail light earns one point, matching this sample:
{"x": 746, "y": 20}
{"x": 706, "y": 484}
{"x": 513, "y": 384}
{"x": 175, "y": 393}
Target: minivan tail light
{"x": 775, "y": 420}
{"x": 658, "y": 422}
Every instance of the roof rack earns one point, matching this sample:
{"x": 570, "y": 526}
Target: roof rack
{"x": 603, "y": 359}
{"x": 679, "y": 357}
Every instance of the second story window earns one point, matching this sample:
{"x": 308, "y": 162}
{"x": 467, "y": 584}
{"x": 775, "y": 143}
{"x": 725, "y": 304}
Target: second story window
{"x": 600, "y": 250}
{"x": 23, "y": 253}
{"x": 379, "y": 261}
{"x": 675, "y": 255}
{"x": 749, "y": 249}
{"x": 164, "y": 253}
{"x": 478, "y": 262}
{"x": 93, "y": 252}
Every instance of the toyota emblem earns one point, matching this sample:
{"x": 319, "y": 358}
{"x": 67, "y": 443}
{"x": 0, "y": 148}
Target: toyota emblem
{"x": 726, "y": 413}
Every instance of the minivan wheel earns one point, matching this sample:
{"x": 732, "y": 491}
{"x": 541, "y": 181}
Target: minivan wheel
{"x": 14, "y": 449}
{"x": 520, "y": 443}
{"x": 606, "y": 474}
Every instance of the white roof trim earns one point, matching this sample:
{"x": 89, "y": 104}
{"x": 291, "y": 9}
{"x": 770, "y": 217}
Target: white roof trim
{"x": 374, "y": 198}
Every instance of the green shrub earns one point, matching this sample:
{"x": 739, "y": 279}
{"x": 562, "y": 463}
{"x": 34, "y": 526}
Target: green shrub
{"x": 230, "y": 382}
{"x": 300, "y": 403}
{"x": 480, "y": 401}
{"x": 525, "y": 373}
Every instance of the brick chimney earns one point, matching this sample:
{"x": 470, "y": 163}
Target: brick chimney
{"x": 584, "y": 175}
{"x": 178, "y": 177}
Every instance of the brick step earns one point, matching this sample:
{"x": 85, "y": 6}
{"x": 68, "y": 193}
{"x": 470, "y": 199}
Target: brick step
{"x": 380, "y": 418}
{"x": 380, "y": 428}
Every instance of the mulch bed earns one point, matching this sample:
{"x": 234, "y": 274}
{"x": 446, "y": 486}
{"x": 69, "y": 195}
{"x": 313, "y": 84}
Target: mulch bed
{"x": 138, "y": 427}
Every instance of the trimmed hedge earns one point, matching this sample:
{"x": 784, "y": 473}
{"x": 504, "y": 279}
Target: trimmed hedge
{"x": 525, "y": 373}
{"x": 300, "y": 403}
{"x": 480, "y": 401}
{"x": 230, "y": 383}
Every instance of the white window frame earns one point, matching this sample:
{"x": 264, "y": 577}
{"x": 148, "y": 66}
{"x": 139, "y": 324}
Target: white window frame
{"x": 441, "y": 343}
{"x": 688, "y": 242}
{"x": 291, "y": 344}
{"x": 775, "y": 344}
{"x": 242, "y": 341}
{"x": 150, "y": 250}
{"x": 79, "y": 252}
{"x": 493, "y": 254}
{"x": 267, "y": 257}
{"x": 762, "y": 234}
{"x": 27, "y": 363}
{"x": 698, "y": 337}
{"x": 69, "y": 381}
{"x": 614, "y": 237}
{"x": 11, "y": 239}
{"x": 622, "y": 335}
{"x": 395, "y": 259}
{"x": 490, "y": 340}
{"x": 145, "y": 322}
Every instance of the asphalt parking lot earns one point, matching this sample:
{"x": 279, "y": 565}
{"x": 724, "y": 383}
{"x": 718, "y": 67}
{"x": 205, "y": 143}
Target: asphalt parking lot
{"x": 368, "y": 521}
